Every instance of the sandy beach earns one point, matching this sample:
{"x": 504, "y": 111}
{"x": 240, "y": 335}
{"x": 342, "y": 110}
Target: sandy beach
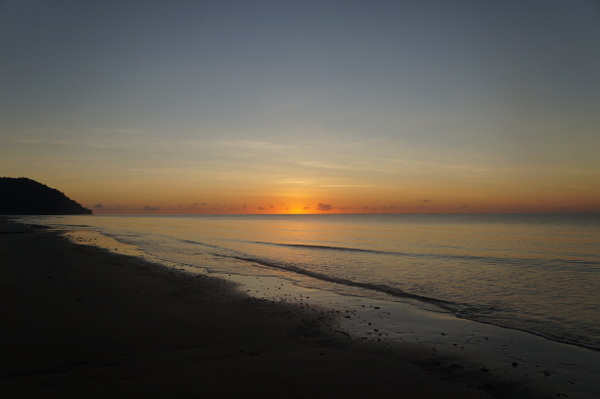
{"x": 78, "y": 321}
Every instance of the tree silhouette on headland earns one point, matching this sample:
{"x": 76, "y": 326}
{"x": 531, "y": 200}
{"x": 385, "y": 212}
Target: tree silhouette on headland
{"x": 22, "y": 196}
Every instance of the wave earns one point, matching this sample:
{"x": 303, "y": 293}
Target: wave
{"x": 383, "y": 288}
{"x": 582, "y": 341}
{"x": 199, "y": 243}
{"x": 166, "y": 238}
{"x": 479, "y": 313}
{"x": 322, "y": 247}
{"x": 485, "y": 259}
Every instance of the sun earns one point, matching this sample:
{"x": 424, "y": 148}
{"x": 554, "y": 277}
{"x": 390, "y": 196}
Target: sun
{"x": 297, "y": 209}
{"x": 293, "y": 210}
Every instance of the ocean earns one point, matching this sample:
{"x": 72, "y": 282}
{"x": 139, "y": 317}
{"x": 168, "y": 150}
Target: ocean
{"x": 538, "y": 273}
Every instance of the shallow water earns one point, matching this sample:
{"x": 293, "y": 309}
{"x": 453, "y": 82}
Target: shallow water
{"x": 534, "y": 272}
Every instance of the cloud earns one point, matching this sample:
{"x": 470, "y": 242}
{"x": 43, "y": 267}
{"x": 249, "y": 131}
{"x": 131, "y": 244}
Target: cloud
{"x": 151, "y": 208}
{"x": 27, "y": 141}
{"x": 49, "y": 142}
{"x": 325, "y": 165}
{"x": 324, "y": 207}
{"x": 98, "y": 206}
{"x": 118, "y": 131}
{"x": 295, "y": 182}
{"x": 256, "y": 145}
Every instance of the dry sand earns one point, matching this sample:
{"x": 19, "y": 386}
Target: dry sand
{"x": 77, "y": 321}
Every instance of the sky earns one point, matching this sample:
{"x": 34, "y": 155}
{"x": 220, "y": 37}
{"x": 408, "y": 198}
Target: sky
{"x": 304, "y": 106}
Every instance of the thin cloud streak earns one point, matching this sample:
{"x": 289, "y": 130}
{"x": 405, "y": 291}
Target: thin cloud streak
{"x": 258, "y": 145}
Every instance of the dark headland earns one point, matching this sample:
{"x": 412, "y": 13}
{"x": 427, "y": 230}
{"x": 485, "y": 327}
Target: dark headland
{"x": 22, "y": 196}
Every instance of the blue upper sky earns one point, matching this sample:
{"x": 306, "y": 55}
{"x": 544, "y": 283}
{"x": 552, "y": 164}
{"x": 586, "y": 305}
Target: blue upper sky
{"x": 350, "y": 102}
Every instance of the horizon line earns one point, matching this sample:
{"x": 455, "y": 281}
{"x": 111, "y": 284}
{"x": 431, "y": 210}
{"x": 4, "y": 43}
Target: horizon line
{"x": 349, "y": 213}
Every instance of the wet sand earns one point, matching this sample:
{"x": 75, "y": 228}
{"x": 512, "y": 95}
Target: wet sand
{"x": 78, "y": 321}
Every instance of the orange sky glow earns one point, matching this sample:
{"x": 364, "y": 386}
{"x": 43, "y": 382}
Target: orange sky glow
{"x": 340, "y": 201}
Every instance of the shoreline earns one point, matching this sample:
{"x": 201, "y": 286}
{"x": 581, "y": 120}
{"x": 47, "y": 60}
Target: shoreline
{"x": 80, "y": 320}
{"x": 456, "y": 348}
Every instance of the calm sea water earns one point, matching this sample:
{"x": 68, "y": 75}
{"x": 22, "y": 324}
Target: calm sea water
{"x": 534, "y": 272}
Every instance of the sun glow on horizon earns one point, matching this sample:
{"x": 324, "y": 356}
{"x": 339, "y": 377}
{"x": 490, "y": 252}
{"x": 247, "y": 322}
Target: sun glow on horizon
{"x": 305, "y": 207}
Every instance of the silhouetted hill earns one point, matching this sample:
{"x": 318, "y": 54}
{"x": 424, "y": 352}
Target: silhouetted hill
{"x": 22, "y": 196}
